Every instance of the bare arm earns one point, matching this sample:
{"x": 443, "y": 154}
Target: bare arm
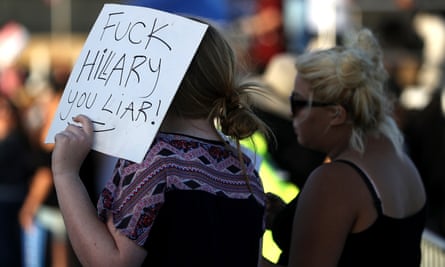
{"x": 95, "y": 243}
{"x": 38, "y": 191}
{"x": 324, "y": 217}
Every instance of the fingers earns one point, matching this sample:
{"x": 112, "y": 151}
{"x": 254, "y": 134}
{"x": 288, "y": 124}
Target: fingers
{"x": 66, "y": 134}
{"x": 82, "y": 126}
{"x": 86, "y": 123}
{"x": 72, "y": 146}
{"x": 78, "y": 133}
{"x": 71, "y": 132}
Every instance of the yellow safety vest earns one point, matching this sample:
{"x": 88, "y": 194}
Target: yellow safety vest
{"x": 272, "y": 182}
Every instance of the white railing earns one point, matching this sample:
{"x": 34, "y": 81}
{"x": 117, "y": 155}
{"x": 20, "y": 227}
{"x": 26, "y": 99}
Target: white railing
{"x": 433, "y": 249}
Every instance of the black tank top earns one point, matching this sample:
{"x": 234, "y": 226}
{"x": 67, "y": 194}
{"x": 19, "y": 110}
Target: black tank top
{"x": 387, "y": 242}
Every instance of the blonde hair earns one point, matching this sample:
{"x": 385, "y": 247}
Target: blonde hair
{"x": 353, "y": 76}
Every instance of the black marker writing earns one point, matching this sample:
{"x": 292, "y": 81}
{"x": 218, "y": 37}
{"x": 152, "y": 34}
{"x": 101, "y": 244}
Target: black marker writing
{"x": 85, "y": 99}
{"x": 152, "y": 35}
{"x": 107, "y": 26}
{"x": 131, "y": 110}
{"x": 127, "y": 110}
{"x": 157, "y": 71}
{"x": 132, "y": 30}
{"x": 98, "y": 129}
{"x": 106, "y": 65}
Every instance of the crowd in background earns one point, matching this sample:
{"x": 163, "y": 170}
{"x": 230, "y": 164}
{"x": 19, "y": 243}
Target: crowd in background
{"x": 264, "y": 33}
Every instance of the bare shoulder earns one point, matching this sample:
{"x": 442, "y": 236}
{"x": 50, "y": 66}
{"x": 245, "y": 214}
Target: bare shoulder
{"x": 334, "y": 176}
{"x": 335, "y": 186}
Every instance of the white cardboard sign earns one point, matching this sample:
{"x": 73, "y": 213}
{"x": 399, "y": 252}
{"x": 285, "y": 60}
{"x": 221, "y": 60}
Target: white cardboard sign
{"x": 127, "y": 75}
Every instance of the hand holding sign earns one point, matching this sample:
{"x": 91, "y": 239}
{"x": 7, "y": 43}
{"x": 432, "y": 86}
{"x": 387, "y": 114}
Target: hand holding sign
{"x": 126, "y": 77}
{"x": 74, "y": 141}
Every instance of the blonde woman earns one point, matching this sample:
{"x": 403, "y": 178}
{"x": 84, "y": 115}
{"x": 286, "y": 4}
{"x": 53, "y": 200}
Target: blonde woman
{"x": 367, "y": 206}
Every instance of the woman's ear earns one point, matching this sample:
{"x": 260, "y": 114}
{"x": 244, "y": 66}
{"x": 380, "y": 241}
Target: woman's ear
{"x": 338, "y": 115}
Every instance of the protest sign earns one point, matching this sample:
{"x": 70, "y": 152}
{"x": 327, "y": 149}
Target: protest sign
{"x": 126, "y": 76}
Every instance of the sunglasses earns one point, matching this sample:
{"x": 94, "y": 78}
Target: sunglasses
{"x": 298, "y": 104}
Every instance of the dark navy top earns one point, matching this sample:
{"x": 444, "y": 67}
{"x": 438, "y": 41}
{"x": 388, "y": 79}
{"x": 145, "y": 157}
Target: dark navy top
{"x": 189, "y": 204}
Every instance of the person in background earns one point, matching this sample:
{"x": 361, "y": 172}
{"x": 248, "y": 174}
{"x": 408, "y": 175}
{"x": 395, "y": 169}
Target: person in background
{"x": 45, "y": 242}
{"x": 367, "y": 205}
{"x": 272, "y": 106}
{"x": 196, "y": 199}
{"x": 427, "y": 149}
{"x": 16, "y": 169}
{"x": 291, "y": 163}
{"x": 265, "y": 31}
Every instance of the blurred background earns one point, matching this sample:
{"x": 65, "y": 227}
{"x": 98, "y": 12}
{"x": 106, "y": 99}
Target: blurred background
{"x": 41, "y": 39}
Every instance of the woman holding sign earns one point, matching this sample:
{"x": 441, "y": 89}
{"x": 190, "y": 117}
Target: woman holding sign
{"x": 195, "y": 200}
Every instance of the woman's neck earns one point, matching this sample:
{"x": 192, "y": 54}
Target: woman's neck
{"x": 201, "y": 128}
